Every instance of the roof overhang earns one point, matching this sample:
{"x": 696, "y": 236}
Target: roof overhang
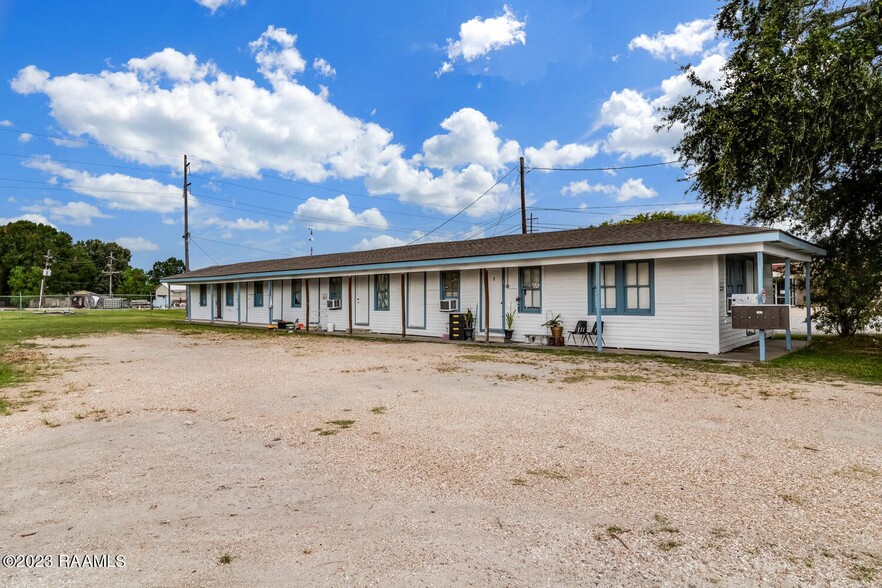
{"x": 785, "y": 240}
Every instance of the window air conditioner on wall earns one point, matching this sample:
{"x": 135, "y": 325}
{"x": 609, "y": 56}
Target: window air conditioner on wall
{"x": 334, "y": 303}
{"x": 449, "y": 305}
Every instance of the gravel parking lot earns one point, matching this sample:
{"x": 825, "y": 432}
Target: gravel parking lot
{"x": 226, "y": 459}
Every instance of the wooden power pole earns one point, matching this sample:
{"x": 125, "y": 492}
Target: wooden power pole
{"x": 186, "y": 217}
{"x": 523, "y": 202}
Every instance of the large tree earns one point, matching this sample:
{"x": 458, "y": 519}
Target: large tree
{"x": 163, "y": 269}
{"x": 99, "y": 252}
{"x": 794, "y": 128}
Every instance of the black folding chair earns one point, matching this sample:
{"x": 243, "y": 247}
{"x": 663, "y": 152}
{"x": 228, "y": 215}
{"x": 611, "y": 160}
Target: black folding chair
{"x": 581, "y": 330}
{"x": 592, "y": 335}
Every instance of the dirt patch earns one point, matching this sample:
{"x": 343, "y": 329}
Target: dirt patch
{"x": 305, "y": 460}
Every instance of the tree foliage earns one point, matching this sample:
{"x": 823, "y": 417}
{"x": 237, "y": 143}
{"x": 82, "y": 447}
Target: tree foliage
{"x": 646, "y": 217}
{"x": 163, "y": 269}
{"x": 794, "y": 130}
{"x": 75, "y": 266}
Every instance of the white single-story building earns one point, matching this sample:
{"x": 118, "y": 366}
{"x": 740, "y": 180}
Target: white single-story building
{"x": 178, "y": 295}
{"x": 664, "y": 285}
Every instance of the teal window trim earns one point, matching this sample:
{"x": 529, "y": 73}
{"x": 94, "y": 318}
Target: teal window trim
{"x": 523, "y": 289}
{"x": 638, "y": 287}
{"x": 382, "y": 292}
{"x": 203, "y": 294}
{"x": 258, "y": 294}
{"x": 230, "y": 299}
{"x": 296, "y": 293}
{"x": 335, "y": 288}
{"x": 443, "y": 291}
{"x": 621, "y": 289}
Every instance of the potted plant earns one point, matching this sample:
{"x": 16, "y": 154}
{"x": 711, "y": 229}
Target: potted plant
{"x": 556, "y": 325}
{"x": 469, "y": 328}
{"x": 509, "y": 324}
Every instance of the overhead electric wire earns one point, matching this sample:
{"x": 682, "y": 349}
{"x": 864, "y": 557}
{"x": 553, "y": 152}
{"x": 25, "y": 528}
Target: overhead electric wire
{"x": 241, "y": 246}
{"x": 487, "y": 191}
{"x": 607, "y": 168}
{"x": 194, "y": 242}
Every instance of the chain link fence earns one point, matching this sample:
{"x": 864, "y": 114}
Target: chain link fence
{"x": 87, "y": 301}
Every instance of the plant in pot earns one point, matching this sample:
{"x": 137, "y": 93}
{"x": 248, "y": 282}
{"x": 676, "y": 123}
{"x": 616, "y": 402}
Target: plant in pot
{"x": 469, "y": 327}
{"x": 509, "y": 324}
{"x": 556, "y": 325}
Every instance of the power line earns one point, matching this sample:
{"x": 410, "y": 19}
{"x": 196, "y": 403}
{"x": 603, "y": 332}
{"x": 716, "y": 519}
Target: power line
{"x": 87, "y": 142}
{"x": 241, "y": 246}
{"x": 608, "y": 168}
{"x": 499, "y": 181}
{"x": 203, "y": 251}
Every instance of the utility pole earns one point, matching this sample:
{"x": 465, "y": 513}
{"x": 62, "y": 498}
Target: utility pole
{"x": 531, "y": 222}
{"x": 110, "y": 273}
{"x": 46, "y": 273}
{"x": 186, "y": 218}
{"x": 523, "y": 202}
{"x": 310, "y": 239}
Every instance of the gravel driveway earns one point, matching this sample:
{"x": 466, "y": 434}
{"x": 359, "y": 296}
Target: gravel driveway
{"x": 231, "y": 460}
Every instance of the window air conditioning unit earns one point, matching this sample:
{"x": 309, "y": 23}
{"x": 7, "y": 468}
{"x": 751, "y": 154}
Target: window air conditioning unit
{"x": 334, "y": 303}
{"x": 449, "y": 305}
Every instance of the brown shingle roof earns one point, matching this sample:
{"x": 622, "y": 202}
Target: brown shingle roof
{"x": 658, "y": 231}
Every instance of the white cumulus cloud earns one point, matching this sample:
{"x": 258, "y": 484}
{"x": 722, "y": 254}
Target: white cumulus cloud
{"x": 583, "y": 187}
{"x": 321, "y": 65}
{"x": 471, "y": 138}
{"x": 214, "y": 5}
{"x": 137, "y": 244}
{"x": 634, "y": 116}
{"x": 73, "y": 213}
{"x": 635, "y": 189}
{"x": 552, "y": 154}
{"x": 25, "y": 138}
{"x": 334, "y": 214}
{"x": 120, "y": 191}
{"x": 687, "y": 39}
{"x": 629, "y": 190}
{"x": 380, "y": 242}
{"x": 479, "y": 37}
{"x": 240, "y": 224}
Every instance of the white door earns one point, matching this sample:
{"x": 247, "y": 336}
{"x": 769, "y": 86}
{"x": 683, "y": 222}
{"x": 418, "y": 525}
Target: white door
{"x": 496, "y": 309}
{"x": 416, "y": 300}
{"x": 362, "y": 300}
{"x": 315, "y": 301}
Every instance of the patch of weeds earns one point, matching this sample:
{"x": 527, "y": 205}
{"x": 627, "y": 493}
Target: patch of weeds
{"x": 79, "y": 416}
{"x": 662, "y": 525}
{"x": 225, "y": 559}
{"x": 51, "y": 424}
{"x": 379, "y": 410}
{"x": 4, "y": 407}
{"x": 47, "y": 407}
{"x": 516, "y": 377}
{"x": 518, "y": 482}
{"x": 326, "y": 432}
{"x": 447, "y": 368}
{"x": 32, "y": 393}
{"x": 550, "y": 474}
{"x": 343, "y": 424}
{"x": 791, "y": 499}
{"x": 720, "y": 533}
{"x": 482, "y": 357}
{"x": 864, "y": 470}
{"x": 669, "y": 544}
{"x": 316, "y": 430}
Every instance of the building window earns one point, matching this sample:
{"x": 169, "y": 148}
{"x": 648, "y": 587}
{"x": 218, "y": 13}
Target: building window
{"x": 296, "y": 293}
{"x": 258, "y": 294}
{"x": 740, "y": 278}
{"x": 335, "y": 288}
{"x": 638, "y": 290}
{"x": 450, "y": 285}
{"x": 203, "y": 295}
{"x": 381, "y": 292}
{"x": 229, "y": 291}
{"x": 531, "y": 289}
{"x": 626, "y": 287}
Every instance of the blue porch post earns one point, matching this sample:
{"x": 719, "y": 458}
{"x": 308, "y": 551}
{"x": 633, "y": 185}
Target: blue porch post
{"x": 787, "y": 300}
{"x": 270, "y": 301}
{"x": 238, "y": 303}
{"x": 597, "y": 313}
{"x": 808, "y": 301}
{"x": 211, "y": 303}
{"x": 759, "y": 294}
{"x": 187, "y": 301}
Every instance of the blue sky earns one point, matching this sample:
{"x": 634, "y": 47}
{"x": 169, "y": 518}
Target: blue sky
{"x": 374, "y": 123}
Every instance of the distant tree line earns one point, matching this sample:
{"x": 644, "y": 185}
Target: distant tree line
{"x": 80, "y": 265}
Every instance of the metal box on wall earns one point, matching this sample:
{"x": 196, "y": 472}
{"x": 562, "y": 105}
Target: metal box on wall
{"x": 761, "y": 316}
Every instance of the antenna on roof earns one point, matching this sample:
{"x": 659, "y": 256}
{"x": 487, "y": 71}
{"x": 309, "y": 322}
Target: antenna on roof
{"x": 310, "y": 239}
